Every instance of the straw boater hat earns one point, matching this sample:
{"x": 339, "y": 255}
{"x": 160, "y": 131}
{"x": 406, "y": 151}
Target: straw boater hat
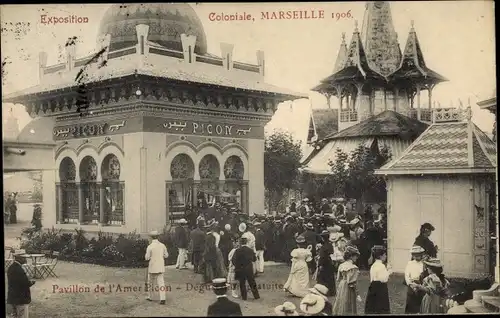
{"x": 415, "y": 249}
{"x": 312, "y": 304}
{"x": 320, "y": 290}
{"x": 287, "y": 309}
{"x": 305, "y": 200}
{"x": 242, "y": 228}
{"x": 300, "y": 218}
{"x": 153, "y": 233}
{"x": 227, "y": 227}
{"x": 377, "y": 248}
{"x": 433, "y": 262}
{"x": 257, "y": 223}
{"x": 310, "y": 226}
{"x": 183, "y": 221}
{"x": 219, "y": 283}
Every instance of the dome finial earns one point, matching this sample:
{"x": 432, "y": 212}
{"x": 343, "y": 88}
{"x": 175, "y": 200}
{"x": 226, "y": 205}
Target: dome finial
{"x": 412, "y": 23}
{"x": 355, "y": 25}
{"x": 343, "y": 37}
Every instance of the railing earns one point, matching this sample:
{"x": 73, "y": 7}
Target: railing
{"x": 348, "y": 116}
{"x": 447, "y": 114}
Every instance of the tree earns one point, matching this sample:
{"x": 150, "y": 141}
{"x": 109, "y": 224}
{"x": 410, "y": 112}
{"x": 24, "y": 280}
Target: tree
{"x": 282, "y": 157}
{"x": 353, "y": 174}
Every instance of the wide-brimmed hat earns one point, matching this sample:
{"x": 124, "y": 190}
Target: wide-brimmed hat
{"x": 257, "y": 223}
{"x": 300, "y": 239}
{"x": 320, "y": 290}
{"x": 354, "y": 221}
{"x": 342, "y": 221}
{"x": 154, "y": 233}
{"x": 378, "y": 248}
{"x": 350, "y": 249}
{"x": 18, "y": 253}
{"x": 287, "y": 309}
{"x": 305, "y": 200}
{"x": 334, "y": 229}
{"x": 312, "y": 304}
{"x": 242, "y": 227}
{"x": 340, "y": 199}
{"x": 300, "y": 218}
{"x": 219, "y": 283}
{"x": 433, "y": 262}
{"x": 415, "y": 249}
{"x": 324, "y": 233}
{"x": 334, "y": 237}
{"x": 324, "y": 199}
{"x": 183, "y": 221}
{"x": 227, "y": 227}
{"x": 309, "y": 226}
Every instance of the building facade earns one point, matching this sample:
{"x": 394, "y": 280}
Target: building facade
{"x": 447, "y": 178}
{"x": 151, "y": 124}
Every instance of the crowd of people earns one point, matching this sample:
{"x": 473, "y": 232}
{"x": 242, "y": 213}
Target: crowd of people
{"x": 328, "y": 245}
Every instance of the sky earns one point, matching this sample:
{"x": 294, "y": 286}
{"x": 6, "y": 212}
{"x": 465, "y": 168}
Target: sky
{"x": 457, "y": 39}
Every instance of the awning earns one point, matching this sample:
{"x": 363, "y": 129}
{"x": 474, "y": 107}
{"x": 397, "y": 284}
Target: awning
{"x": 23, "y": 156}
{"x": 319, "y": 164}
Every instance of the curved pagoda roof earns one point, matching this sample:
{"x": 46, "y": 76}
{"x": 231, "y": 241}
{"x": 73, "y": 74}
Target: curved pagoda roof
{"x": 413, "y": 67}
{"x": 355, "y": 67}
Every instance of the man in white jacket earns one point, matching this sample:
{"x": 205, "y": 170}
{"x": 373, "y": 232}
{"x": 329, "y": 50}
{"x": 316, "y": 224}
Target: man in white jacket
{"x": 156, "y": 254}
{"x": 250, "y": 241}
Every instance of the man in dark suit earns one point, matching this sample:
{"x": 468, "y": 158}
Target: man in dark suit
{"x": 181, "y": 241}
{"x": 243, "y": 259}
{"x": 312, "y": 239}
{"x": 197, "y": 245}
{"x": 222, "y": 307}
{"x": 18, "y": 293}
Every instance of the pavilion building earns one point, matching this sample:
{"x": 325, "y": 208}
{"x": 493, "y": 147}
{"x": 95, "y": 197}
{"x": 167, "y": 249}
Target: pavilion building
{"x": 153, "y": 124}
{"x": 378, "y": 88}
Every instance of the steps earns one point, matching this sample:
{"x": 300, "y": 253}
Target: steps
{"x": 484, "y": 301}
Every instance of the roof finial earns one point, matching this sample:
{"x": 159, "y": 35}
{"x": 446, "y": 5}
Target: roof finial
{"x": 412, "y": 22}
{"x": 343, "y": 36}
{"x": 355, "y": 25}
{"x": 468, "y": 113}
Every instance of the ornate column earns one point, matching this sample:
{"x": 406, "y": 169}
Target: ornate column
{"x": 418, "y": 101}
{"x": 81, "y": 203}
{"x": 244, "y": 197}
{"x": 429, "y": 91}
{"x": 385, "y": 99}
{"x": 102, "y": 205}
{"x": 60, "y": 205}
{"x": 196, "y": 186}
{"x": 167, "y": 200}
{"x": 396, "y": 97}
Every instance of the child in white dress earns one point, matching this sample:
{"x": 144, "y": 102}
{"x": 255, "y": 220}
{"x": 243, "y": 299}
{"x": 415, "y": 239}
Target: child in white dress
{"x": 231, "y": 274}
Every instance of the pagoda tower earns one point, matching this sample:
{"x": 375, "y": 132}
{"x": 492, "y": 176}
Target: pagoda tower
{"x": 373, "y": 75}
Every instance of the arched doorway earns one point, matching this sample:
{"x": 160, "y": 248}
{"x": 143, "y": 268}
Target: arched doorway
{"x": 67, "y": 193}
{"x": 209, "y": 180}
{"x": 180, "y": 189}
{"x": 90, "y": 191}
{"x": 112, "y": 192}
{"x": 233, "y": 186}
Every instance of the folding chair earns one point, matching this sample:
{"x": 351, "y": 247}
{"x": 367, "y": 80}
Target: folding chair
{"x": 28, "y": 268}
{"x": 48, "y": 269}
{"x": 47, "y": 258}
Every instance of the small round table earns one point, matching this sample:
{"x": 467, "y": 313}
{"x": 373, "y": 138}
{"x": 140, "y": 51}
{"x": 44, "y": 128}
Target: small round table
{"x": 34, "y": 257}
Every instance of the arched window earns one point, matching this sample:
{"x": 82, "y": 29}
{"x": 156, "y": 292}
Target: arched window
{"x": 67, "y": 193}
{"x": 113, "y": 190}
{"x": 209, "y": 177}
{"x": 233, "y": 185}
{"x": 180, "y": 190}
{"x": 88, "y": 182}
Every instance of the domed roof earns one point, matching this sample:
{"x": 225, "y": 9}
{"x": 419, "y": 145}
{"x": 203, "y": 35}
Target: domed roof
{"x": 39, "y": 130}
{"x": 167, "y": 21}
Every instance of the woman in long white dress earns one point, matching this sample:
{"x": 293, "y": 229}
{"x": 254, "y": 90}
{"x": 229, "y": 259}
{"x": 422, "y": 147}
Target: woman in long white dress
{"x": 298, "y": 280}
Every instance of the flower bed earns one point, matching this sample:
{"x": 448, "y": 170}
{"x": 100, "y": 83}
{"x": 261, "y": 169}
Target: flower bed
{"x": 116, "y": 251}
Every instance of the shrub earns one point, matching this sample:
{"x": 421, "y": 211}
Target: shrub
{"x": 122, "y": 251}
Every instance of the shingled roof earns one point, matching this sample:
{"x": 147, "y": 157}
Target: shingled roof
{"x": 387, "y": 123}
{"x": 323, "y": 122}
{"x": 447, "y": 148}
